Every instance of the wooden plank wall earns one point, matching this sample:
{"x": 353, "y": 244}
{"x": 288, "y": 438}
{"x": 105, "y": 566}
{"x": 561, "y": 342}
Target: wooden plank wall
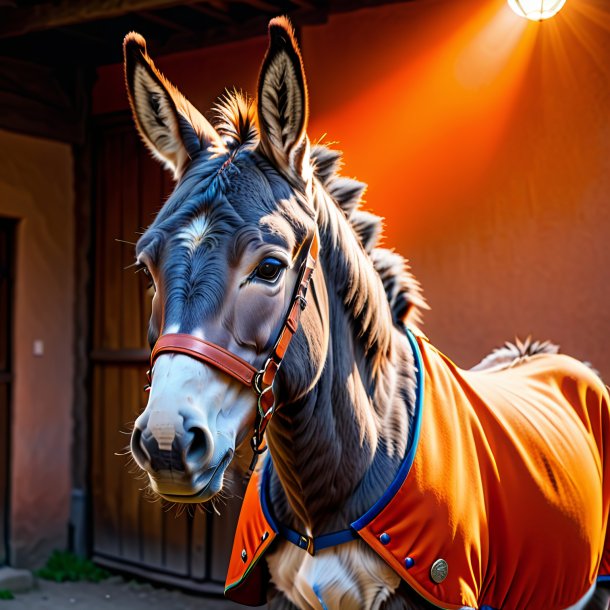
{"x": 7, "y": 252}
{"x": 132, "y": 530}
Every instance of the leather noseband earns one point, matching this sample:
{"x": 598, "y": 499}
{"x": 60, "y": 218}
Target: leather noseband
{"x": 261, "y": 381}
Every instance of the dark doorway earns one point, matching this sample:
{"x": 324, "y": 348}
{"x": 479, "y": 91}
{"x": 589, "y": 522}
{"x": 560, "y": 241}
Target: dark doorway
{"x": 7, "y": 253}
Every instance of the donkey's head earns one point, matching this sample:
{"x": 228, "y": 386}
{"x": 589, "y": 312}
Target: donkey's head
{"x": 225, "y": 255}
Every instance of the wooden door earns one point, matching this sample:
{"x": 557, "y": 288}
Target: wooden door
{"x": 132, "y": 530}
{"x": 7, "y": 253}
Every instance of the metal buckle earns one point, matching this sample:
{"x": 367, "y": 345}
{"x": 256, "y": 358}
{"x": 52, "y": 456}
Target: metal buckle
{"x": 302, "y": 301}
{"x": 306, "y": 542}
{"x": 255, "y": 443}
{"x": 260, "y": 392}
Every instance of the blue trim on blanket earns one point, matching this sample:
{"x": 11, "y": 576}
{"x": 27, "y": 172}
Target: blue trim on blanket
{"x": 349, "y": 534}
{"x": 263, "y": 494}
{"x": 603, "y": 578}
{"x": 405, "y": 467}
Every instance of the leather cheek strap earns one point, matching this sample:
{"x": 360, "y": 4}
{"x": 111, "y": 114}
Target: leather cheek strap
{"x": 205, "y": 351}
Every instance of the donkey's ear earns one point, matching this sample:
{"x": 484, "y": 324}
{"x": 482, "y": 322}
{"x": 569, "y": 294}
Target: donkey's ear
{"x": 170, "y": 126}
{"x": 282, "y": 102}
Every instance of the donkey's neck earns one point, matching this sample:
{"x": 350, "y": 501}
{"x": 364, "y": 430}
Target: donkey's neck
{"x": 336, "y": 450}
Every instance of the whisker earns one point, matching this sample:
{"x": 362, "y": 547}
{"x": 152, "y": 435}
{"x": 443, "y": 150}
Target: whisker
{"x": 214, "y": 507}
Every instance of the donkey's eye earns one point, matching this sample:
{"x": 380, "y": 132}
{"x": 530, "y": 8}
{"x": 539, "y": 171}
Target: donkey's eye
{"x": 269, "y": 270}
{"x": 144, "y": 269}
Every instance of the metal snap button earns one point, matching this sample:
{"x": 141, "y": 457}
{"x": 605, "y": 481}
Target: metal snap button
{"x": 244, "y": 555}
{"x": 439, "y": 571}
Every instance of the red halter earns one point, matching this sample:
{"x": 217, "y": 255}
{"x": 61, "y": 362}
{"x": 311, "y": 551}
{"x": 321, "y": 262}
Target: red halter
{"x": 261, "y": 381}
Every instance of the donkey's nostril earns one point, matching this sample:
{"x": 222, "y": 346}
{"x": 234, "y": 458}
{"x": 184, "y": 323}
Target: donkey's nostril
{"x": 157, "y": 459}
{"x": 190, "y": 451}
{"x": 138, "y": 450}
{"x": 200, "y": 448}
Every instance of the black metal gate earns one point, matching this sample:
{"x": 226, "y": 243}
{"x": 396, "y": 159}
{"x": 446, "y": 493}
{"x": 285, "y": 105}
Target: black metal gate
{"x": 7, "y": 252}
{"x": 130, "y": 531}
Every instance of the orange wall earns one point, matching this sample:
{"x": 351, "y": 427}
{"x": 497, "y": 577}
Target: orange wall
{"x": 484, "y": 139}
{"x": 36, "y": 188}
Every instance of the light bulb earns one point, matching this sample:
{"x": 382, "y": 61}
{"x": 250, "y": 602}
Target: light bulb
{"x": 536, "y": 10}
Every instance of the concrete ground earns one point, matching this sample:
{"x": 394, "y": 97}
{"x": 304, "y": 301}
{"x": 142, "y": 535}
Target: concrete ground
{"x": 115, "y": 593}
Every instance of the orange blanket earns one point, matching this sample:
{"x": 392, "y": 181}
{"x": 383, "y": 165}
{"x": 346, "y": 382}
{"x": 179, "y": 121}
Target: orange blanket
{"x": 503, "y": 498}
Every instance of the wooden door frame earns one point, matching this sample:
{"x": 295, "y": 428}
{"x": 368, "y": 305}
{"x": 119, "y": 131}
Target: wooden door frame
{"x": 6, "y": 379}
{"x": 84, "y": 233}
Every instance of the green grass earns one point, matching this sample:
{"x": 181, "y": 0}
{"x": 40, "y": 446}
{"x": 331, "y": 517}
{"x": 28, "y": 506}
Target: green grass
{"x": 4, "y": 594}
{"x": 63, "y": 566}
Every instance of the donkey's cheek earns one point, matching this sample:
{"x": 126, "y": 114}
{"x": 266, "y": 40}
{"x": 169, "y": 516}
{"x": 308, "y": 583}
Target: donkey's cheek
{"x": 256, "y": 317}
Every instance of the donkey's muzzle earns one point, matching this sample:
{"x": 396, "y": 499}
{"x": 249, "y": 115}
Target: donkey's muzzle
{"x": 162, "y": 459}
{"x": 170, "y": 445}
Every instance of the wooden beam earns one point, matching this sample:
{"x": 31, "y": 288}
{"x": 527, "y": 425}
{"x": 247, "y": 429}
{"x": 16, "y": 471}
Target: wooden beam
{"x": 74, "y": 32}
{"x": 166, "y": 23}
{"x": 48, "y": 15}
{"x": 219, "y": 5}
{"x": 19, "y": 21}
{"x": 41, "y": 101}
{"x": 256, "y": 26}
{"x": 347, "y": 6}
{"x": 261, "y": 5}
{"x": 304, "y": 4}
{"x": 210, "y": 11}
{"x": 82, "y": 156}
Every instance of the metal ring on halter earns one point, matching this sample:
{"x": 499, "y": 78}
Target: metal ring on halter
{"x": 258, "y": 402}
{"x": 256, "y": 382}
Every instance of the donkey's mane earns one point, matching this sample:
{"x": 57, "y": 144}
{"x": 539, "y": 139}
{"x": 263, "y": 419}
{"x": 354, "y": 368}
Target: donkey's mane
{"x": 234, "y": 117}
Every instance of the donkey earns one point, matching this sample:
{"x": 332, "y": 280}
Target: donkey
{"x": 389, "y": 481}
